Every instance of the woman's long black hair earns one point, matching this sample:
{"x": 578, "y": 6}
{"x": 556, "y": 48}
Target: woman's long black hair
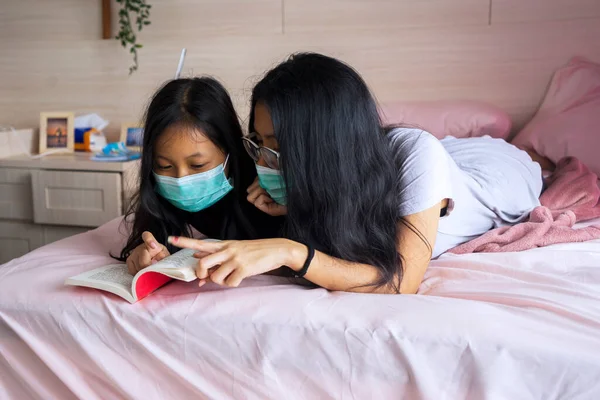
{"x": 336, "y": 161}
{"x": 204, "y": 105}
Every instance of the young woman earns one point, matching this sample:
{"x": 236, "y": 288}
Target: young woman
{"x": 375, "y": 203}
{"x": 194, "y": 173}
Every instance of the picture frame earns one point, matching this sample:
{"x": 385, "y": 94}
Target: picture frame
{"x": 132, "y": 134}
{"x": 57, "y": 132}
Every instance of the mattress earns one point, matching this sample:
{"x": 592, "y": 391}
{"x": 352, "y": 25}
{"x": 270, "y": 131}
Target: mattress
{"x": 483, "y": 326}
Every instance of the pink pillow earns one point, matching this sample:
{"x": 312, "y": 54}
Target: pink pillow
{"x": 460, "y": 118}
{"x": 568, "y": 121}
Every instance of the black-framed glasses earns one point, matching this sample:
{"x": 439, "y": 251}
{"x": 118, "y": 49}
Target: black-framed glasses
{"x": 257, "y": 152}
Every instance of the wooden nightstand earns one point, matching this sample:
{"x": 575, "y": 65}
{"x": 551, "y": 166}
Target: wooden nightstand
{"x": 47, "y": 199}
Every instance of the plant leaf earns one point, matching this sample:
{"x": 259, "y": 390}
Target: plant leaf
{"x": 129, "y": 10}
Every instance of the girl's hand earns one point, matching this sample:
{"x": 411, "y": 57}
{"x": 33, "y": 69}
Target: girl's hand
{"x": 146, "y": 254}
{"x": 229, "y": 262}
{"x": 261, "y": 200}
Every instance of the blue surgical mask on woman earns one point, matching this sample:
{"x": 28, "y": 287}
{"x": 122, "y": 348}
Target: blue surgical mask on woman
{"x": 272, "y": 181}
{"x": 195, "y": 192}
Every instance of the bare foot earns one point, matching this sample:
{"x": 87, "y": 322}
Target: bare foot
{"x": 544, "y": 162}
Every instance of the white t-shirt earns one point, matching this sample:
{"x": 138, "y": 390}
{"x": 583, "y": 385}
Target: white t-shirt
{"x": 487, "y": 181}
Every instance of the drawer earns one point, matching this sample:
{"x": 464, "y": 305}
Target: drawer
{"x": 75, "y": 198}
{"x": 51, "y": 234}
{"x": 18, "y": 239}
{"x": 15, "y": 194}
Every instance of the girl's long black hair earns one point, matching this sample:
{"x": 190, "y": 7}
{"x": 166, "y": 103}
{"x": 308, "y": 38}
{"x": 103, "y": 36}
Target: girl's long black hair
{"x": 203, "y": 104}
{"x": 336, "y": 161}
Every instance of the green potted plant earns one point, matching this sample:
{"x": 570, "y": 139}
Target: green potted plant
{"x": 133, "y": 16}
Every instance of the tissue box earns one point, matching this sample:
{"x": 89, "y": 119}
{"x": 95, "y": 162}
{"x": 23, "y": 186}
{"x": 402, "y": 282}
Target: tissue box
{"x": 82, "y": 139}
{"x": 89, "y": 139}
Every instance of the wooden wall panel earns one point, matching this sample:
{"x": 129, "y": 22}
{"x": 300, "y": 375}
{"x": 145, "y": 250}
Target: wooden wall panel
{"x": 50, "y": 20}
{"x": 43, "y": 68}
{"x": 340, "y": 15}
{"x": 195, "y": 19}
{"x": 543, "y": 10}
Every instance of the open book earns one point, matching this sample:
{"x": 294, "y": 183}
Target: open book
{"x": 116, "y": 278}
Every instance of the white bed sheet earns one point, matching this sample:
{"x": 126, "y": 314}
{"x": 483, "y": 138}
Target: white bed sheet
{"x": 484, "y": 326}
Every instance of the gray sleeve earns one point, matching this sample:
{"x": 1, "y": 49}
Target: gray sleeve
{"x": 423, "y": 170}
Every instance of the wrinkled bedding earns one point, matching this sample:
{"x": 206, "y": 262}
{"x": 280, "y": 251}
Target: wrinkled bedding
{"x": 485, "y": 326}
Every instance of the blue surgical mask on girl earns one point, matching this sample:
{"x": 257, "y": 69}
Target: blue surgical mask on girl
{"x": 272, "y": 181}
{"x": 195, "y": 192}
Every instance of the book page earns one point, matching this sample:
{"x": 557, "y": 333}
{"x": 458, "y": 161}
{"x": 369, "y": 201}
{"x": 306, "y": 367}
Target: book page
{"x": 116, "y": 274}
{"x": 113, "y": 278}
{"x": 182, "y": 259}
{"x": 180, "y": 265}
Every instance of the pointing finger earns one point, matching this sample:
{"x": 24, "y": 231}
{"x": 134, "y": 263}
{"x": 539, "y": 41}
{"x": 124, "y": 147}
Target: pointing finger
{"x": 195, "y": 244}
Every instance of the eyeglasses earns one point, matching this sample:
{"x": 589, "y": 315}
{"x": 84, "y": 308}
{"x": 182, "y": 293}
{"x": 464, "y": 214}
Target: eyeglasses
{"x": 257, "y": 152}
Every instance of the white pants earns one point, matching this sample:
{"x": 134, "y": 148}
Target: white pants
{"x": 500, "y": 185}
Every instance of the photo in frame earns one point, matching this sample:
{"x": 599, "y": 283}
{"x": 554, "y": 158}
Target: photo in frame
{"x": 57, "y": 132}
{"x": 132, "y": 134}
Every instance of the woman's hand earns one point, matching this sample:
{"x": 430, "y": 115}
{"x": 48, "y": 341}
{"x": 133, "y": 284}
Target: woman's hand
{"x": 146, "y": 254}
{"x": 228, "y": 263}
{"x": 261, "y": 200}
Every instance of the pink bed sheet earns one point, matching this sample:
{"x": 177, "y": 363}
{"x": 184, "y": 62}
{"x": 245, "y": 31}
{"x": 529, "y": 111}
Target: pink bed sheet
{"x": 485, "y": 326}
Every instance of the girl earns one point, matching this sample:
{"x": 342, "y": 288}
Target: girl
{"x": 194, "y": 172}
{"x": 376, "y": 203}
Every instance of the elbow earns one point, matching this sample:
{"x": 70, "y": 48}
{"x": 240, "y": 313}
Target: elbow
{"x": 389, "y": 288}
{"x": 409, "y": 290}
{"x": 409, "y": 286}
